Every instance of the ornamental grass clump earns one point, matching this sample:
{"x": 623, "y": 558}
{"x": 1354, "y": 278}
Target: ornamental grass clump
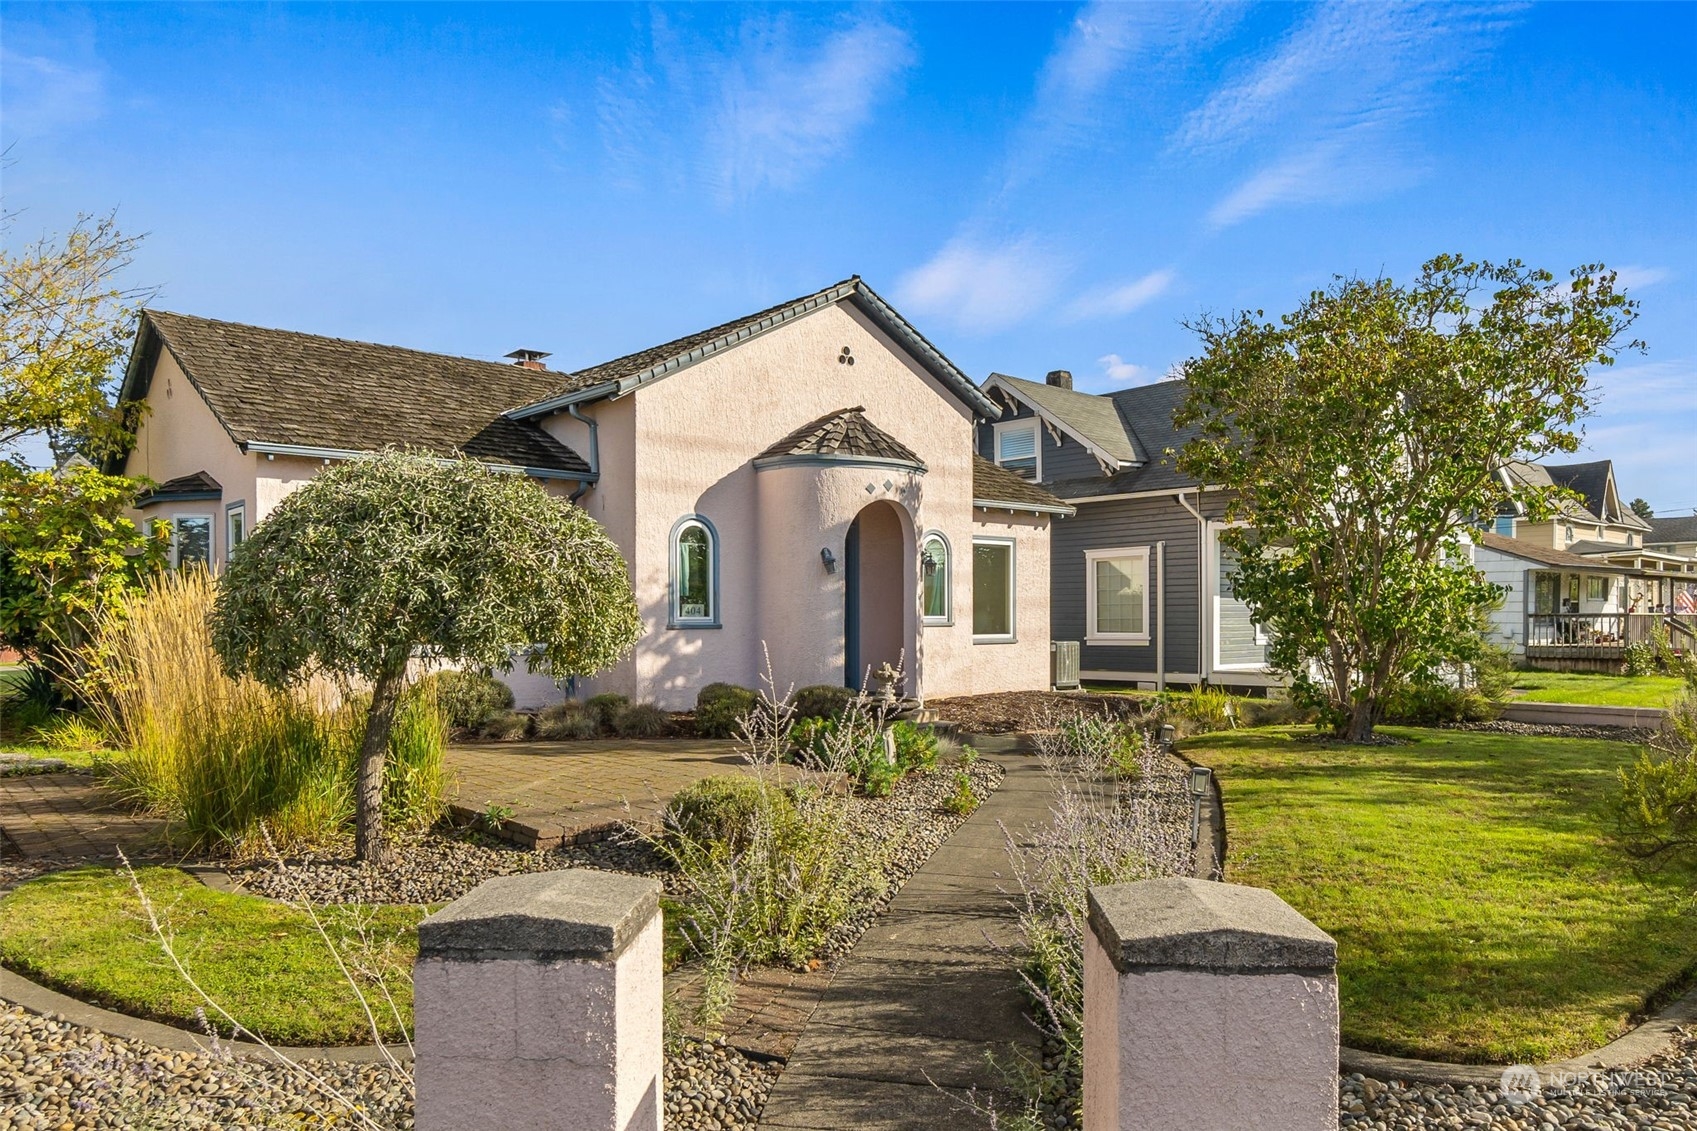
{"x": 222, "y": 758}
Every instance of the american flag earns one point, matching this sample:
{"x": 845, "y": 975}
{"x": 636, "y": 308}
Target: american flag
{"x": 1685, "y": 600}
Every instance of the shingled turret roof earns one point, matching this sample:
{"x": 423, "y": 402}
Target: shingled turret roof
{"x": 844, "y": 434}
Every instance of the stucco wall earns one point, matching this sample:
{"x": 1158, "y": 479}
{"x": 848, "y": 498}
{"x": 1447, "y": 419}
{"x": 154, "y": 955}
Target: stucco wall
{"x": 690, "y": 441}
{"x": 1023, "y": 664}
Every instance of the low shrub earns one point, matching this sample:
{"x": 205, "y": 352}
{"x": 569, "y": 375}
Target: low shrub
{"x": 1432, "y": 703}
{"x": 567, "y": 720}
{"x": 32, "y": 700}
{"x": 964, "y": 799}
{"x": 641, "y": 720}
{"x": 508, "y": 726}
{"x": 720, "y": 709}
{"x": 916, "y": 748}
{"x": 470, "y": 699}
{"x": 1197, "y": 711}
{"x": 1657, "y": 806}
{"x": 722, "y": 810}
{"x": 821, "y": 701}
{"x": 605, "y": 707}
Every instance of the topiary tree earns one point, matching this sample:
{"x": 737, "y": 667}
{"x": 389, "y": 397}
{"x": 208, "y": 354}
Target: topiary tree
{"x": 385, "y": 556}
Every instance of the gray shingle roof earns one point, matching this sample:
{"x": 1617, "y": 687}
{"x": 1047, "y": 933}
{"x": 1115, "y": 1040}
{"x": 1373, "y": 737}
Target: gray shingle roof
{"x": 993, "y": 485}
{"x": 656, "y": 362}
{"x": 1544, "y": 555}
{"x": 282, "y": 387}
{"x": 1673, "y": 529}
{"x": 1147, "y": 411}
{"x": 845, "y": 432}
{"x": 1091, "y": 418}
{"x": 196, "y": 485}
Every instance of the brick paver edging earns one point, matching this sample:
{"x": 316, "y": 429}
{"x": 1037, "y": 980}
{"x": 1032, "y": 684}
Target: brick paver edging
{"x": 36, "y": 998}
{"x": 1652, "y": 1037}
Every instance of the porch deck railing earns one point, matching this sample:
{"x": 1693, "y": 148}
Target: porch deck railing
{"x": 1606, "y": 632}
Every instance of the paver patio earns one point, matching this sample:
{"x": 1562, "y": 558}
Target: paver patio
{"x": 570, "y": 792}
{"x": 73, "y": 817}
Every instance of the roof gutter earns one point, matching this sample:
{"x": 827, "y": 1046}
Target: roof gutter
{"x": 1027, "y": 508}
{"x": 308, "y": 452}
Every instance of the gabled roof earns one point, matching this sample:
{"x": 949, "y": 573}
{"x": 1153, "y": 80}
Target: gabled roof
{"x": 1673, "y": 529}
{"x": 1543, "y": 555}
{"x": 295, "y": 393}
{"x": 1090, "y": 419}
{"x": 845, "y": 434}
{"x": 1147, "y": 411}
{"x": 182, "y": 489}
{"x": 624, "y": 374}
{"x": 994, "y": 486}
{"x": 1595, "y": 483}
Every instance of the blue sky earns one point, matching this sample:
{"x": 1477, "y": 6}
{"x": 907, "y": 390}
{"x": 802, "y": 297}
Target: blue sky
{"x": 1035, "y": 186}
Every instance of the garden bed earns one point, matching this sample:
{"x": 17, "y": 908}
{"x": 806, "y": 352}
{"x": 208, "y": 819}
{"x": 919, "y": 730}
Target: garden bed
{"x": 1006, "y": 712}
{"x": 1483, "y": 915}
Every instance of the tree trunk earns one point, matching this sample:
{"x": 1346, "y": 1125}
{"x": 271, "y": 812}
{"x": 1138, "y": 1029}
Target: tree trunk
{"x": 368, "y": 788}
{"x": 1360, "y": 728}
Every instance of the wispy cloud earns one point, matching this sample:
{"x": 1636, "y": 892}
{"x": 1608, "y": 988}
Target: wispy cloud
{"x": 43, "y": 95}
{"x": 1116, "y": 368}
{"x": 981, "y": 288}
{"x": 1635, "y": 278}
{"x": 1079, "y": 87}
{"x": 1116, "y": 300}
{"x": 1646, "y": 415}
{"x": 767, "y": 112}
{"x": 1324, "y": 115}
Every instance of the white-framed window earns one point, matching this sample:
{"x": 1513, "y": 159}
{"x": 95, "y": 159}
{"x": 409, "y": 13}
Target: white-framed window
{"x": 1019, "y": 447}
{"x": 1116, "y": 595}
{"x": 695, "y": 573}
{"x": 235, "y": 527}
{"x": 191, "y": 540}
{"x": 936, "y": 561}
{"x": 1568, "y": 530}
{"x": 1596, "y": 589}
{"x": 993, "y": 591}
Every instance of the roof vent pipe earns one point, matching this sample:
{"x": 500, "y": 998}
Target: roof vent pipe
{"x": 528, "y": 359}
{"x": 1059, "y": 378}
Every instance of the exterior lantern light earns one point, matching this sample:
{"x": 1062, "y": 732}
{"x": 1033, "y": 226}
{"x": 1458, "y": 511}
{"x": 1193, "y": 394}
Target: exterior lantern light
{"x": 1198, "y": 789}
{"x": 830, "y": 559}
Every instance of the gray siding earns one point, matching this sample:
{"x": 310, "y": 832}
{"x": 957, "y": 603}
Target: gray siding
{"x": 1068, "y": 459}
{"x": 1128, "y": 522}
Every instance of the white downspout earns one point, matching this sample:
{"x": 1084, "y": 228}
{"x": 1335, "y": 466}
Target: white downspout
{"x": 1202, "y": 648}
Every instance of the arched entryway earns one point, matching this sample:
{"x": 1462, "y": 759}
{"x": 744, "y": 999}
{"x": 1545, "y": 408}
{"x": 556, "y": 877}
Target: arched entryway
{"x": 876, "y": 592}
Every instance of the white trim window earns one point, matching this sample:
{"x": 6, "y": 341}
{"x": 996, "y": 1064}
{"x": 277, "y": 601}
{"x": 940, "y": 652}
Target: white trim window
{"x": 1019, "y": 447}
{"x": 1116, "y": 595}
{"x": 993, "y": 583}
{"x": 935, "y": 583}
{"x": 191, "y": 540}
{"x": 235, "y": 527}
{"x": 695, "y": 573}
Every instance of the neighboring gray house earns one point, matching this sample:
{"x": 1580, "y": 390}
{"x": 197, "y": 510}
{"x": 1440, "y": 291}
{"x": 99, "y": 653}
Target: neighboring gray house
{"x": 1138, "y": 577}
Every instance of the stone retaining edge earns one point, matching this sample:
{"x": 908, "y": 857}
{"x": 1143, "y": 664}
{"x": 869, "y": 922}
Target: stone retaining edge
{"x": 1636, "y": 1045}
{"x": 1581, "y": 715}
{"x": 19, "y": 990}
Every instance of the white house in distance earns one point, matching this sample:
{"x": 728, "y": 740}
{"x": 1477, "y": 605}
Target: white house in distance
{"x": 801, "y": 482}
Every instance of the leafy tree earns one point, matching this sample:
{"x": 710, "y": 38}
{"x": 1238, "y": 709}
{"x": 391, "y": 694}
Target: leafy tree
{"x": 68, "y": 557}
{"x": 384, "y": 557}
{"x": 1642, "y": 509}
{"x": 65, "y": 323}
{"x": 1362, "y": 433}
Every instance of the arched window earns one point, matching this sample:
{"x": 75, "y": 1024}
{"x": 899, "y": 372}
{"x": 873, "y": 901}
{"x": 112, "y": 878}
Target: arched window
{"x": 695, "y": 573}
{"x": 935, "y": 561}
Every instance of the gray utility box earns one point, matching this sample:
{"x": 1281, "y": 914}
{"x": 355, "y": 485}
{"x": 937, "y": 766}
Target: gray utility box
{"x": 1063, "y": 665}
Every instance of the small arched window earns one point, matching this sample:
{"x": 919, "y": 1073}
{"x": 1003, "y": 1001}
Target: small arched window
{"x": 935, "y": 561}
{"x": 695, "y": 573}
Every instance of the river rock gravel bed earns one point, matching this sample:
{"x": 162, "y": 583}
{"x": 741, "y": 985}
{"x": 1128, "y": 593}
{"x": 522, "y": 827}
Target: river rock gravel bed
{"x": 57, "y": 1075}
{"x": 1659, "y": 1095}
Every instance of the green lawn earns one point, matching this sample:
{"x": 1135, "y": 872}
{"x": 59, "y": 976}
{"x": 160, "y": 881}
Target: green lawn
{"x": 1481, "y": 913}
{"x": 82, "y": 932}
{"x": 1597, "y": 690}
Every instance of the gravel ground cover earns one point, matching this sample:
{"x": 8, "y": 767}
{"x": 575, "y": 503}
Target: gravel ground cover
{"x": 54, "y": 1075}
{"x": 1659, "y": 1094}
{"x": 1542, "y": 730}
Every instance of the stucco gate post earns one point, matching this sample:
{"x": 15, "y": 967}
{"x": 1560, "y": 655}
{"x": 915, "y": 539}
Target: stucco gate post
{"x": 537, "y": 1002}
{"x": 1207, "y": 1006}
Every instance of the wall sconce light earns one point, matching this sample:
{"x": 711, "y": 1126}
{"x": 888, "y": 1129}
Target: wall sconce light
{"x": 830, "y": 559}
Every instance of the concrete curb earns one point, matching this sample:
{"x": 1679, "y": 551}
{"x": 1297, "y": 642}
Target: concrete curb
{"x": 1638, "y": 1045}
{"x": 16, "y": 988}
{"x": 1580, "y": 715}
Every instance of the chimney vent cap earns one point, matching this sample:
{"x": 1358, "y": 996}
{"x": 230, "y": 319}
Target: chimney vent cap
{"x": 530, "y": 359}
{"x": 1059, "y": 378}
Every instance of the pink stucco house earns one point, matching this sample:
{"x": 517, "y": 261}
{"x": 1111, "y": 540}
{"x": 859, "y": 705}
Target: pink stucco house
{"x": 801, "y": 482}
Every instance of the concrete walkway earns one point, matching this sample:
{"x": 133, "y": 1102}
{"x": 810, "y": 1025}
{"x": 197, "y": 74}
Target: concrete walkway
{"x": 907, "y": 1026}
